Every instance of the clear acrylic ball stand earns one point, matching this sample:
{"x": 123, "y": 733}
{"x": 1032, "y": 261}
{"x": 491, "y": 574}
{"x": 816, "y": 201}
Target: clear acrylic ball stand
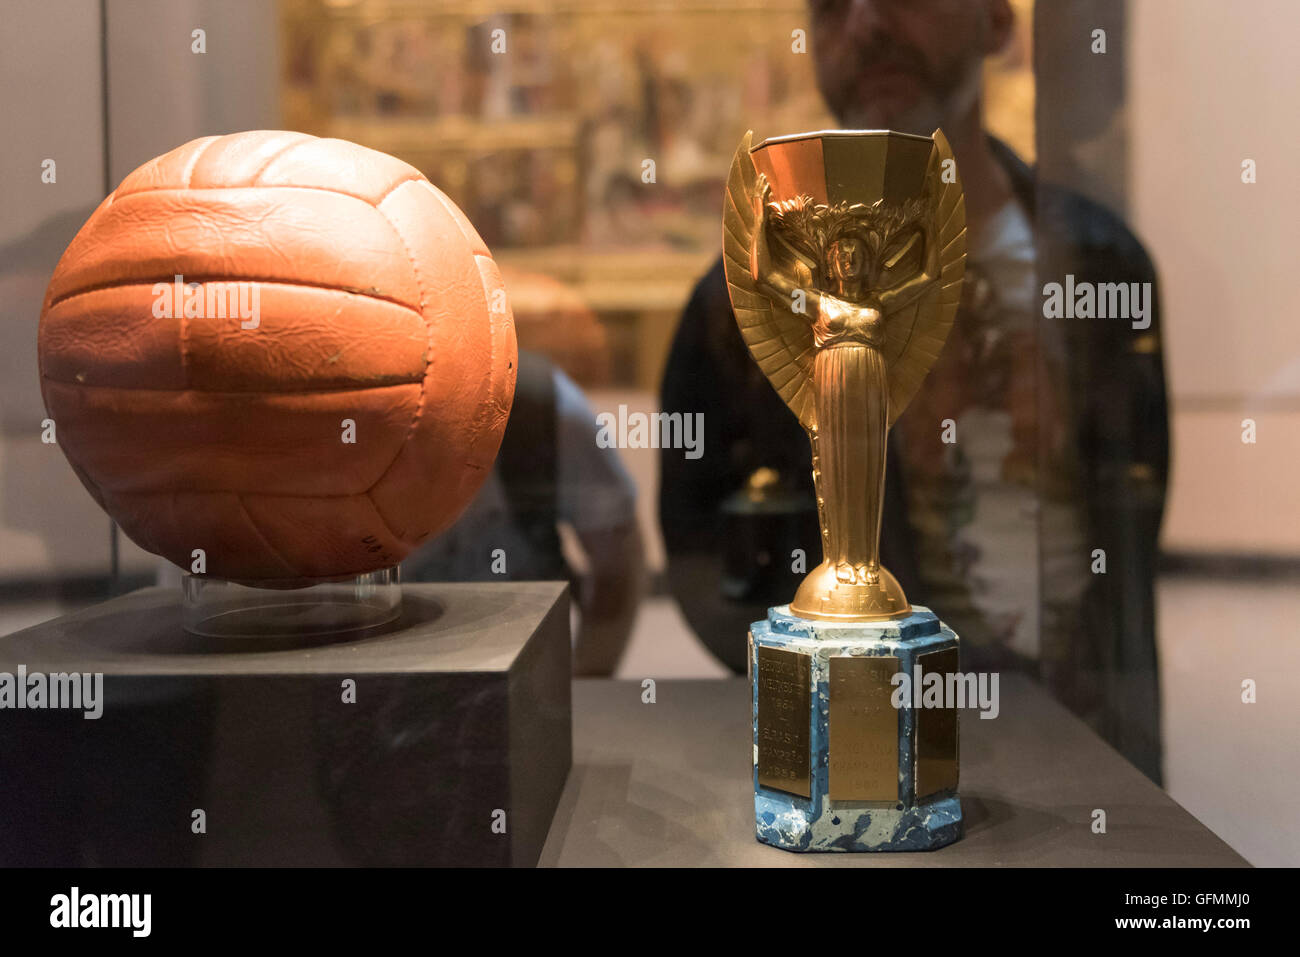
{"x": 216, "y": 608}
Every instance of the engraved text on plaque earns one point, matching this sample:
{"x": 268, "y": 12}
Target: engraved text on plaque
{"x": 863, "y": 729}
{"x": 784, "y": 712}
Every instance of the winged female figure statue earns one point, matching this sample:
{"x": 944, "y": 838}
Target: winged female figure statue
{"x": 845, "y": 275}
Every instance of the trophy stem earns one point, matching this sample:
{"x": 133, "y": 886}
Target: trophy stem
{"x": 849, "y": 448}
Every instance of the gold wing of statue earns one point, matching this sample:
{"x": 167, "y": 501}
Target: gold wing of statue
{"x": 780, "y": 341}
{"x": 915, "y": 334}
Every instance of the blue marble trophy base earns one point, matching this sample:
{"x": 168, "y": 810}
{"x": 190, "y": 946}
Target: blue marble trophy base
{"x": 818, "y": 823}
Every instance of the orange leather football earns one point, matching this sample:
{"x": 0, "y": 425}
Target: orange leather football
{"x": 331, "y": 393}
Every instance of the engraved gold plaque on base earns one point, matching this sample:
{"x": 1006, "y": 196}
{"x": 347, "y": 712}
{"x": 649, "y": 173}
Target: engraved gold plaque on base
{"x": 936, "y": 733}
{"x": 863, "y": 729}
{"x": 783, "y": 721}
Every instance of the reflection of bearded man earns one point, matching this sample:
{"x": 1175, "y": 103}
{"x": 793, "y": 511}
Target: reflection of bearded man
{"x": 880, "y": 66}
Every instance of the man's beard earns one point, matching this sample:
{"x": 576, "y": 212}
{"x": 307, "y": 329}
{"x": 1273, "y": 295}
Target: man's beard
{"x": 942, "y": 102}
{"x": 922, "y": 118}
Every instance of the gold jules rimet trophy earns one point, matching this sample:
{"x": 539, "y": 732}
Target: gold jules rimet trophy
{"x": 844, "y": 253}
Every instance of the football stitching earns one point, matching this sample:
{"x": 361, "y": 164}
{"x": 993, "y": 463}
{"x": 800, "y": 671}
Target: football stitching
{"x": 307, "y": 138}
{"x": 124, "y": 283}
{"x": 194, "y": 160}
{"x": 428, "y": 363}
{"x": 257, "y": 530}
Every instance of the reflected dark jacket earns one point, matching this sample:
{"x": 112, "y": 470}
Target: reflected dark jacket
{"x": 1118, "y": 421}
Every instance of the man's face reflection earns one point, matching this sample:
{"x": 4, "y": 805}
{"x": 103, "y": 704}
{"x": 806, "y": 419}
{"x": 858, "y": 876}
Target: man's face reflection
{"x": 907, "y": 65}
